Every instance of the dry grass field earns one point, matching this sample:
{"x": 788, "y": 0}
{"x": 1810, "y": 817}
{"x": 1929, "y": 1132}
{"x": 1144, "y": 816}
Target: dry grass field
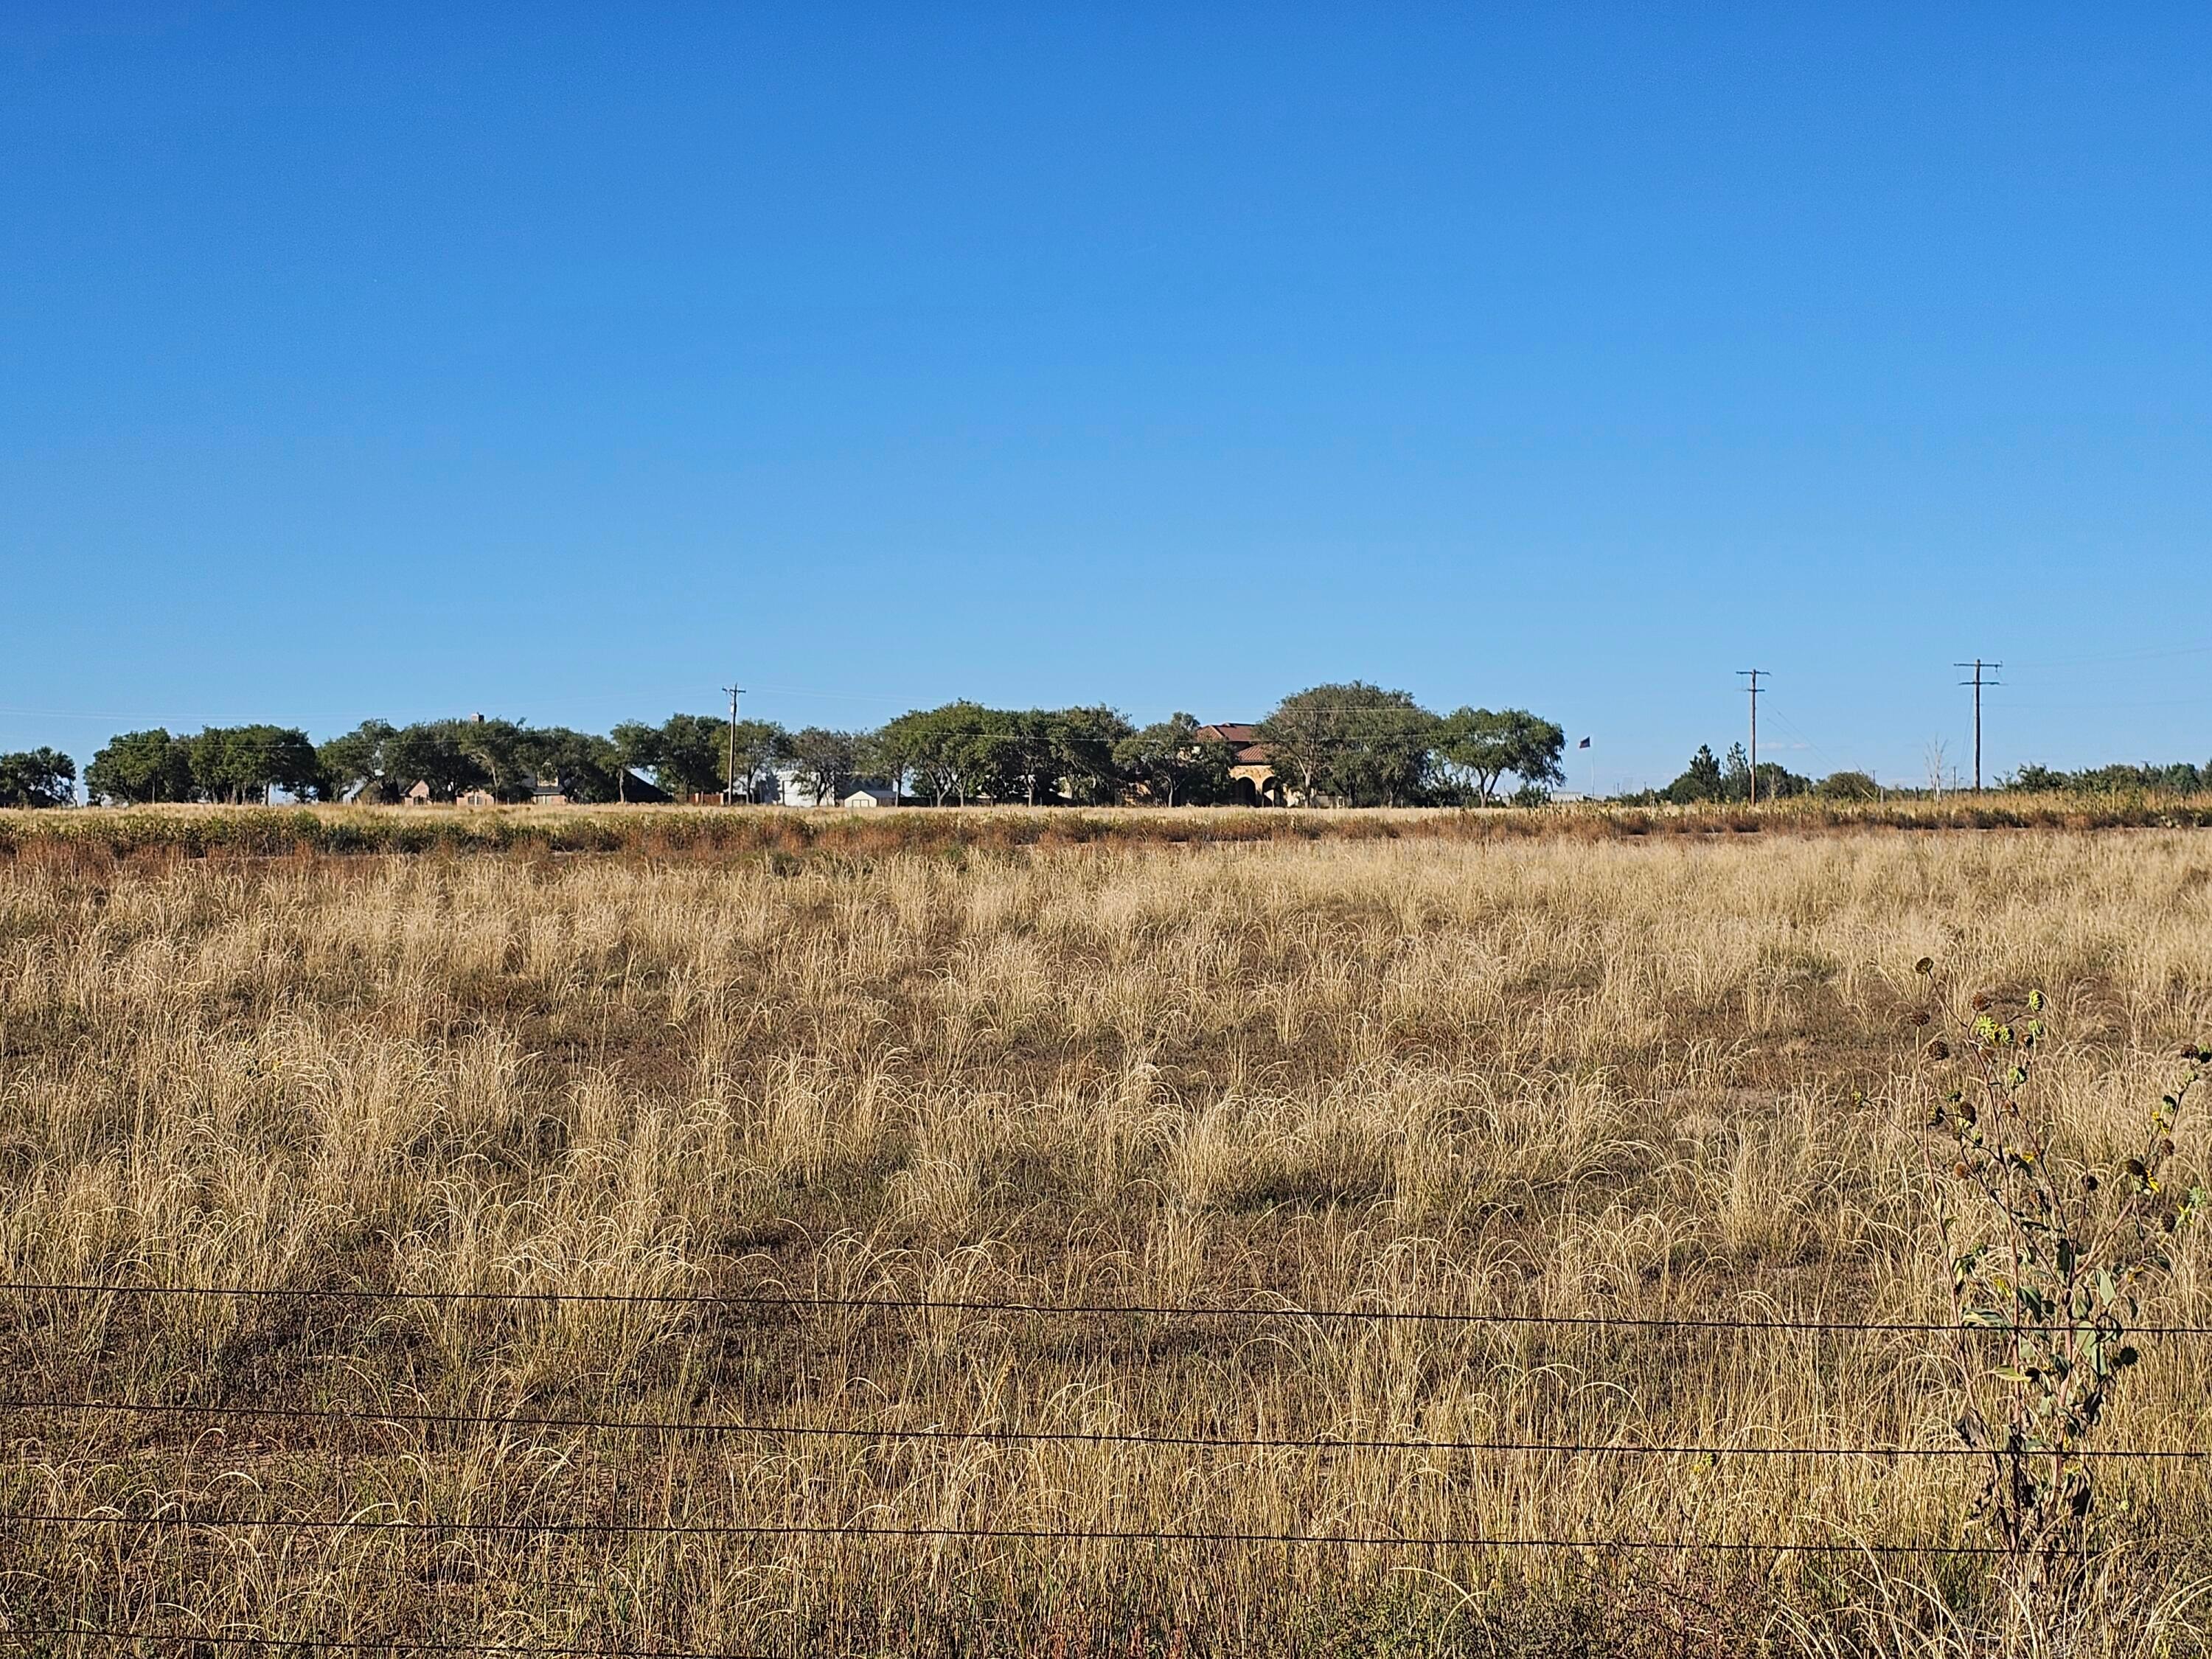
{"x": 732, "y": 1095}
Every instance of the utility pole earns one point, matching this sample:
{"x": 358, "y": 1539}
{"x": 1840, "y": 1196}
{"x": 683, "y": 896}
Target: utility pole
{"x": 1977, "y": 682}
{"x": 1754, "y": 675}
{"x": 730, "y": 789}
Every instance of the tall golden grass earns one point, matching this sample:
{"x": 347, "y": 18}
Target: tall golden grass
{"x": 1647, "y": 1076}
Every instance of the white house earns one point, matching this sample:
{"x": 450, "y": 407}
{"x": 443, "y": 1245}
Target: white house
{"x": 870, "y": 795}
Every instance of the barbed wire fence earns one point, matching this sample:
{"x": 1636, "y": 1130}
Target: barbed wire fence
{"x": 172, "y": 1517}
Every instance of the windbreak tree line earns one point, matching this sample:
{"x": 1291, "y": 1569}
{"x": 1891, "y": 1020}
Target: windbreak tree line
{"x": 2181, "y": 778}
{"x": 1352, "y": 744}
{"x": 1706, "y": 779}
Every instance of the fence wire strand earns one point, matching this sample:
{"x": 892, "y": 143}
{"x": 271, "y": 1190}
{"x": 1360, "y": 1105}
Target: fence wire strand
{"x": 797, "y": 1303}
{"x": 674, "y": 1427}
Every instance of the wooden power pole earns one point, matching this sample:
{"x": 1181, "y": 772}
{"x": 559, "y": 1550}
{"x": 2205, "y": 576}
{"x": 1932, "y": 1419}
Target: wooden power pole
{"x": 1977, "y": 682}
{"x": 1753, "y": 675}
{"x": 730, "y": 786}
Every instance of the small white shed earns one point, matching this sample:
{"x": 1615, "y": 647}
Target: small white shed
{"x": 870, "y": 795}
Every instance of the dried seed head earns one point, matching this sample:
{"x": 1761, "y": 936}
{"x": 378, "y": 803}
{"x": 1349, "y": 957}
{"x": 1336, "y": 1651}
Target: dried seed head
{"x": 1939, "y": 1049}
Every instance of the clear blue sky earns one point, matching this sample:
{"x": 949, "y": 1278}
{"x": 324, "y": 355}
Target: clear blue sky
{"x": 564, "y": 363}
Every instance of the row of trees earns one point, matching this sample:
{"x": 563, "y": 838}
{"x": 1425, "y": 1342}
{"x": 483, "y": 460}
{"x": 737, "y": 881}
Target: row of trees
{"x": 1352, "y": 742}
{"x": 1709, "y": 780}
{"x": 2182, "y": 778}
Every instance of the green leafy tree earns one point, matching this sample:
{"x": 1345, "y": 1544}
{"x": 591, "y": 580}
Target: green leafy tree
{"x": 1081, "y": 743}
{"x": 637, "y": 749}
{"x": 1736, "y": 774}
{"x": 1354, "y": 740}
{"x": 499, "y": 749}
{"x": 691, "y": 756}
{"x": 939, "y": 748}
{"x": 1173, "y": 764}
{"x": 1482, "y": 745}
{"x": 1703, "y": 780}
{"x": 582, "y": 765}
{"x": 239, "y": 764}
{"x": 357, "y": 763}
{"x": 760, "y": 746}
{"x": 1777, "y": 783}
{"x": 36, "y": 778}
{"x": 825, "y": 762}
{"x": 1014, "y": 755}
{"x": 431, "y": 753}
{"x": 139, "y": 767}
{"x": 1848, "y": 786}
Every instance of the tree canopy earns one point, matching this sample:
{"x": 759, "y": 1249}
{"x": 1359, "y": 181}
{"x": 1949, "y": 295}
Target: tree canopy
{"x": 1481, "y": 745}
{"x": 1354, "y": 742}
{"x": 137, "y": 768}
{"x": 1173, "y": 764}
{"x": 37, "y": 777}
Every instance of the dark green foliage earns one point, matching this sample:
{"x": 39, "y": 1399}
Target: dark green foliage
{"x": 1709, "y": 780}
{"x": 1479, "y": 746}
{"x": 1702, "y": 780}
{"x": 359, "y": 760}
{"x": 1173, "y": 765}
{"x": 826, "y": 761}
{"x": 579, "y": 765}
{"x": 37, "y": 777}
{"x": 1848, "y": 786}
{"x": 433, "y": 754}
{"x": 1353, "y": 743}
{"x": 1081, "y": 743}
{"x": 140, "y": 767}
{"x": 2180, "y": 778}
{"x": 237, "y": 764}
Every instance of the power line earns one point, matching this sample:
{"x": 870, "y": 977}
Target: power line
{"x": 946, "y": 1305}
{"x": 674, "y": 1427}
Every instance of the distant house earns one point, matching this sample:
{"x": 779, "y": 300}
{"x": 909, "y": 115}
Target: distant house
{"x": 475, "y": 798}
{"x": 870, "y": 794}
{"x": 1251, "y": 769}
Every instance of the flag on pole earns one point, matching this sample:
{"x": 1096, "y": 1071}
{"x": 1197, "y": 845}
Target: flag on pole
{"x": 1584, "y": 743}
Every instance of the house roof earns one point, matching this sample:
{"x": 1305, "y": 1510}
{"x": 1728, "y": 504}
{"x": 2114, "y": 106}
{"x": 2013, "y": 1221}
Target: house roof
{"x": 1243, "y": 738}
